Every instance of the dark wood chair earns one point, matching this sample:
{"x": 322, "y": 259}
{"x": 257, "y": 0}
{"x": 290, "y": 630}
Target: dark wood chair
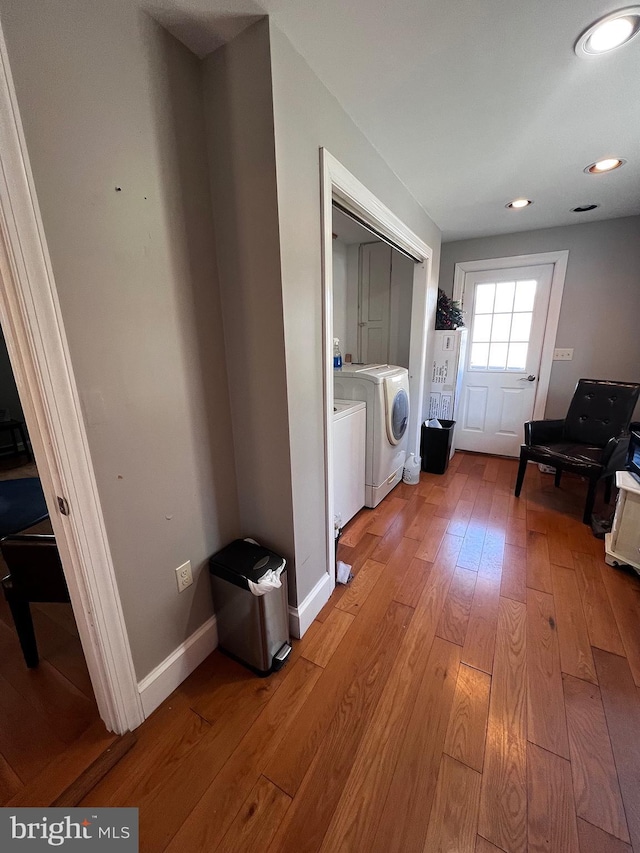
{"x": 591, "y": 441}
{"x": 35, "y": 574}
{"x": 17, "y": 430}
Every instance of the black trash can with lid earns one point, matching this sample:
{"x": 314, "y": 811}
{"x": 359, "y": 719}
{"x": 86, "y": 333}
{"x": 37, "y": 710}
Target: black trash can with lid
{"x": 435, "y": 446}
{"x": 253, "y": 628}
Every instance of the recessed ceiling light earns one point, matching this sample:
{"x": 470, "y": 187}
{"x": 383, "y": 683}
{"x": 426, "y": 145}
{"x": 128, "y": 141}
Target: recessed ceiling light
{"x": 609, "y": 32}
{"x": 584, "y": 208}
{"x": 608, "y": 164}
{"x": 519, "y": 203}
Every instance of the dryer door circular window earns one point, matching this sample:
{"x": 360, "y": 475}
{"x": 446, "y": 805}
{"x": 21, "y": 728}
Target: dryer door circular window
{"x": 399, "y": 417}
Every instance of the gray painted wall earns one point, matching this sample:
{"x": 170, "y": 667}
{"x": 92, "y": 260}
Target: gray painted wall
{"x": 353, "y": 287}
{"x": 340, "y": 299}
{"x": 239, "y": 112}
{"x": 400, "y": 319}
{"x": 307, "y": 117}
{"x": 601, "y": 302}
{"x": 270, "y": 266}
{"x": 109, "y": 99}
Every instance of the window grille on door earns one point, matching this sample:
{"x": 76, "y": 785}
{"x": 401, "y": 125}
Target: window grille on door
{"x": 502, "y": 314}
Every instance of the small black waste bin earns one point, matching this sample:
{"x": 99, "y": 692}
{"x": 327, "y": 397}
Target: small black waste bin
{"x": 252, "y": 629}
{"x": 435, "y": 446}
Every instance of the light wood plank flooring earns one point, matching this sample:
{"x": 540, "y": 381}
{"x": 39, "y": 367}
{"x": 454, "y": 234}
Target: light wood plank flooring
{"x": 475, "y": 688}
{"x": 46, "y": 712}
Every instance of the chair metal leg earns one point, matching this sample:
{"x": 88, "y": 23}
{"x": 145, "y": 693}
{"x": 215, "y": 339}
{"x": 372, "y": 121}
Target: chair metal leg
{"x": 608, "y": 483}
{"x": 591, "y": 497}
{"x": 522, "y": 468}
{"x": 21, "y": 613}
{"x": 557, "y": 477}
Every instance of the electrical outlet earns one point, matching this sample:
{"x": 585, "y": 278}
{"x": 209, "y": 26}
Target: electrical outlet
{"x": 184, "y": 576}
{"x": 563, "y": 354}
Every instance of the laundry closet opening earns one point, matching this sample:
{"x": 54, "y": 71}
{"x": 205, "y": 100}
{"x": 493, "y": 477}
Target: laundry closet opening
{"x": 371, "y": 331}
{"x": 380, "y": 403}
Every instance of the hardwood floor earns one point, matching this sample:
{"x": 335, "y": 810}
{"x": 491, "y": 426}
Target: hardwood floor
{"x": 43, "y": 711}
{"x": 46, "y": 713}
{"x": 475, "y": 688}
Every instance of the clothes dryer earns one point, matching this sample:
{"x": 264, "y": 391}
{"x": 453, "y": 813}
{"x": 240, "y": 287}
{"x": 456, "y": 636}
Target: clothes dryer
{"x": 385, "y": 390}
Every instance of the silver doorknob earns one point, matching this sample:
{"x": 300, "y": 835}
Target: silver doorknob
{"x": 529, "y": 378}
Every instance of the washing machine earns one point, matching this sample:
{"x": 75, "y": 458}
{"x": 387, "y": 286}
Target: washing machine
{"x": 385, "y": 390}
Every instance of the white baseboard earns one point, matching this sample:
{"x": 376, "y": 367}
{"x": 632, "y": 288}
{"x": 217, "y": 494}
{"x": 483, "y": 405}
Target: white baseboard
{"x": 163, "y": 680}
{"x": 301, "y": 617}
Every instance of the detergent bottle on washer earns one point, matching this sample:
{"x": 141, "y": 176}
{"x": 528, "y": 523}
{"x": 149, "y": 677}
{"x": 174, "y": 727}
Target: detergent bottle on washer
{"x": 337, "y": 355}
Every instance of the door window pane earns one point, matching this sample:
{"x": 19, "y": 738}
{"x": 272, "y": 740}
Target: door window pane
{"x": 484, "y": 298}
{"x": 498, "y": 356}
{"x": 504, "y": 296}
{"x": 482, "y": 327}
{"x": 479, "y": 356}
{"x": 517, "y": 359}
{"x": 521, "y": 327}
{"x": 501, "y": 327}
{"x": 525, "y": 295}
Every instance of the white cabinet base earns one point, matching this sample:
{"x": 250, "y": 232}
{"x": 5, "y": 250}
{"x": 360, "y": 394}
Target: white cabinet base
{"x": 611, "y": 558}
{"x": 622, "y": 545}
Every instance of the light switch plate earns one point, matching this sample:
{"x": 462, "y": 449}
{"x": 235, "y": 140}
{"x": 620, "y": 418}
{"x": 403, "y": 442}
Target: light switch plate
{"x": 563, "y": 354}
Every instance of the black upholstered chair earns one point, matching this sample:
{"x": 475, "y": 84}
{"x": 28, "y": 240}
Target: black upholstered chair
{"x": 591, "y": 441}
{"x": 35, "y": 574}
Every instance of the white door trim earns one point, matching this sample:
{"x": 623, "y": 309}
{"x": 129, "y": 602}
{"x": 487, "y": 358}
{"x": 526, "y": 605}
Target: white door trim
{"x": 34, "y": 331}
{"x": 559, "y": 261}
{"x": 339, "y": 184}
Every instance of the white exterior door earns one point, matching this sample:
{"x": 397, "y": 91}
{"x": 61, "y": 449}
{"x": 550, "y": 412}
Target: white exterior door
{"x": 506, "y": 312}
{"x": 374, "y": 304}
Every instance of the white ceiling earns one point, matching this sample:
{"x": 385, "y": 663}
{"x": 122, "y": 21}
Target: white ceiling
{"x": 471, "y": 102}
